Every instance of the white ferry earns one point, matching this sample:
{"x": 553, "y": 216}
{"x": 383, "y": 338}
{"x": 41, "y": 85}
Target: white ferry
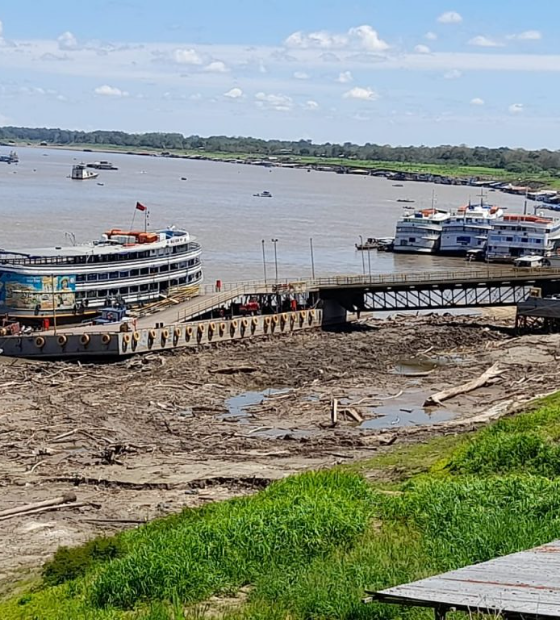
{"x": 468, "y": 228}
{"x": 420, "y": 231}
{"x": 133, "y": 266}
{"x": 81, "y": 173}
{"x": 513, "y": 236}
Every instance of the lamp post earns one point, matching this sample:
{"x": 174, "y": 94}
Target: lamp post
{"x": 362, "y": 253}
{"x": 264, "y": 261}
{"x": 369, "y": 263}
{"x": 275, "y": 241}
{"x": 312, "y": 258}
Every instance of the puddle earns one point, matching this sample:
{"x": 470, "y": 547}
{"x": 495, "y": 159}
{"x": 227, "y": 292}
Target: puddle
{"x": 415, "y": 366}
{"x": 237, "y": 405}
{"x": 277, "y": 433}
{"x": 407, "y": 411}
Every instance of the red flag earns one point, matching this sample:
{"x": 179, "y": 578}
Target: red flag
{"x": 141, "y": 207}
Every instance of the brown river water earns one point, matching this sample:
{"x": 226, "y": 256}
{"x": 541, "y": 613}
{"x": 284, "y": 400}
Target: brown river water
{"x": 40, "y": 203}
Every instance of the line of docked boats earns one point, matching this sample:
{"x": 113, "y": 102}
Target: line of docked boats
{"x": 477, "y": 231}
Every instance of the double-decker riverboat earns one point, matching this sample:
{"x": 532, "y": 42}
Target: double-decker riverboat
{"x": 132, "y": 266}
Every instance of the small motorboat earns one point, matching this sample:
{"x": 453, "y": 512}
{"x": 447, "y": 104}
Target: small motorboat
{"x": 404, "y": 200}
{"x": 264, "y": 194}
{"x": 375, "y": 243}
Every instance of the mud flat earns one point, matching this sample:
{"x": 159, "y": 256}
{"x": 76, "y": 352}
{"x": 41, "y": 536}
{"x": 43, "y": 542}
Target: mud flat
{"x": 139, "y": 439}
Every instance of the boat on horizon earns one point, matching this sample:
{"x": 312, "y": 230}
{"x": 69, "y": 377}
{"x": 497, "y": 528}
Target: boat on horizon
{"x": 264, "y": 194}
{"x": 65, "y": 281}
{"x": 102, "y": 165}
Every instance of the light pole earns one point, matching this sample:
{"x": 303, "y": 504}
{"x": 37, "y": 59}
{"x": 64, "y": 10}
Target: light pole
{"x": 369, "y": 263}
{"x": 264, "y": 262}
{"x": 312, "y": 258}
{"x": 275, "y": 241}
{"x": 53, "y": 303}
{"x": 362, "y": 253}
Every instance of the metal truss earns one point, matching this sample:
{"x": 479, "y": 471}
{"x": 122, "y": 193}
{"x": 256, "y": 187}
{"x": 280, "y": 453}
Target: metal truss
{"x": 463, "y": 296}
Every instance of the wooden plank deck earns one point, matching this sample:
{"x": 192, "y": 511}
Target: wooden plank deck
{"x": 521, "y": 584}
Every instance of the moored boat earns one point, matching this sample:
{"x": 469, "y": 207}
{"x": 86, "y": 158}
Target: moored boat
{"x": 516, "y": 235}
{"x": 420, "y": 231}
{"x": 468, "y": 228}
{"x": 102, "y": 165}
{"x": 135, "y": 266}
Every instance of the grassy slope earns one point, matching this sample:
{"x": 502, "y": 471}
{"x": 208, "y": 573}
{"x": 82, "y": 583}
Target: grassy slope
{"x": 498, "y": 174}
{"x": 307, "y": 547}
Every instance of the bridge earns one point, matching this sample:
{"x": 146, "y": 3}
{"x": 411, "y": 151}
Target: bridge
{"x": 338, "y": 295}
{"x": 213, "y": 316}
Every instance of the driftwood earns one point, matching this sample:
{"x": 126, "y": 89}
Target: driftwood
{"x": 483, "y": 379}
{"x": 334, "y": 411}
{"x": 231, "y": 370}
{"x": 49, "y": 503}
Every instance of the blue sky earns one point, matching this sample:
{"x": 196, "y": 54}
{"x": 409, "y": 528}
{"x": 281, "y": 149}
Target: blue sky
{"x": 401, "y": 72}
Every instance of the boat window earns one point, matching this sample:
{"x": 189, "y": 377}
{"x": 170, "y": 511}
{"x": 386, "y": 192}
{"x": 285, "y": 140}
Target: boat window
{"x": 123, "y": 290}
{"x": 134, "y": 272}
{"x": 123, "y": 274}
{"x": 103, "y": 276}
{"x": 153, "y": 269}
{"x": 113, "y": 275}
{"x": 80, "y": 277}
{"x": 144, "y": 287}
{"x": 133, "y": 289}
{"x": 164, "y": 268}
{"x": 102, "y": 293}
{"x": 91, "y": 277}
{"x": 144, "y": 271}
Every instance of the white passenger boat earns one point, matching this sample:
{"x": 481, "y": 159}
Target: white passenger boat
{"x": 468, "y": 228}
{"x": 514, "y": 235}
{"x": 135, "y": 266}
{"x": 420, "y": 231}
{"x": 81, "y": 173}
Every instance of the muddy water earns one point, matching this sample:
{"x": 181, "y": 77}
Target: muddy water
{"x": 216, "y": 203}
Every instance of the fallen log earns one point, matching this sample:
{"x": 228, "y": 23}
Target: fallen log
{"x": 334, "y": 411}
{"x": 49, "y": 508}
{"x": 231, "y": 370}
{"x": 63, "y": 499}
{"x": 487, "y": 376}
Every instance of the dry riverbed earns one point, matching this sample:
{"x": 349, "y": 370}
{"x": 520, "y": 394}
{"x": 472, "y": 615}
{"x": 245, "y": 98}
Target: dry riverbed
{"x": 139, "y": 439}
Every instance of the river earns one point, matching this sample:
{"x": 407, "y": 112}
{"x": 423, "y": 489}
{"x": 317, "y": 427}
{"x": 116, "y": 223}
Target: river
{"x": 216, "y": 204}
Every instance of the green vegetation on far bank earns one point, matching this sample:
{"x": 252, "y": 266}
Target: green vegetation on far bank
{"x": 308, "y": 546}
{"x": 538, "y": 167}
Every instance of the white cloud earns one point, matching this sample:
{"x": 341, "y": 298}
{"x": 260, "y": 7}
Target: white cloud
{"x": 301, "y": 75}
{"x": 110, "y": 91}
{"x": 282, "y": 103}
{"x": 234, "y": 93}
{"x": 187, "y": 57}
{"x": 477, "y": 101}
{"x": 528, "y": 35}
{"x": 431, "y": 36}
{"x": 1, "y": 29}
{"x": 453, "y": 74}
{"x": 516, "y": 108}
{"x": 311, "y": 105}
{"x": 369, "y": 39}
{"x": 422, "y": 49}
{"x": 195, "y": 97}
{"x": 67, "y": 41}
{"x": 345, "y": 77}
{"x": 450, "y": 17}
{"x": 216, "y": 66}
{"x": 366, "y": 94}
{"x": 361, "y": 37}
{"x": 481, "y": 41}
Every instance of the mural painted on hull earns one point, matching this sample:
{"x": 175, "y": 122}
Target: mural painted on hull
{"x": 37, "y": 293}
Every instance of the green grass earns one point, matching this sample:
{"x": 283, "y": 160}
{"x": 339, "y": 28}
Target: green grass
{"x": 540, "y": 179}
{"x": 307, "y": 547}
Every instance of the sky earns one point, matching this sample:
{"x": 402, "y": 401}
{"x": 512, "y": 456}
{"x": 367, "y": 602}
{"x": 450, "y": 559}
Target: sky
{"x": 397, "y": 72}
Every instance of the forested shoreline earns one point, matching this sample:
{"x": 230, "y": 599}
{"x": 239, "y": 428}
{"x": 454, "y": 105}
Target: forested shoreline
{"x": 512, "y": 160}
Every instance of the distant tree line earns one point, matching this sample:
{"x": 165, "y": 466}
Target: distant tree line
{"x": 514, "y": 160}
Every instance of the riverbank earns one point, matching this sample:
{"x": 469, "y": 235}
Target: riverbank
{"x": 150, "y": 437}
{"x": 308, "y": 546}
{"x": 416, "y": 171}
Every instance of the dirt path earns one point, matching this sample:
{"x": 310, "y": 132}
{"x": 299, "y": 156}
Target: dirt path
{"x": 142, "y": 438}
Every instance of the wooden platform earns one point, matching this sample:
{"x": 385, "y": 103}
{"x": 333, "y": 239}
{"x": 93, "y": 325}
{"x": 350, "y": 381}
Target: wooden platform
{"x": 520, "y": 585}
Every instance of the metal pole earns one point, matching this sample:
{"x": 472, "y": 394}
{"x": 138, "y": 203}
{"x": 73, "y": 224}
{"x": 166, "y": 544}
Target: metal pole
{"x": 53, "y": 303}
{"x": 264, "y": 262}
{"x": 362, "y": 252}
{"x": 369, "y": 263}
{"x": 312, "y": 258}
{"x": 275, "y": 241}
